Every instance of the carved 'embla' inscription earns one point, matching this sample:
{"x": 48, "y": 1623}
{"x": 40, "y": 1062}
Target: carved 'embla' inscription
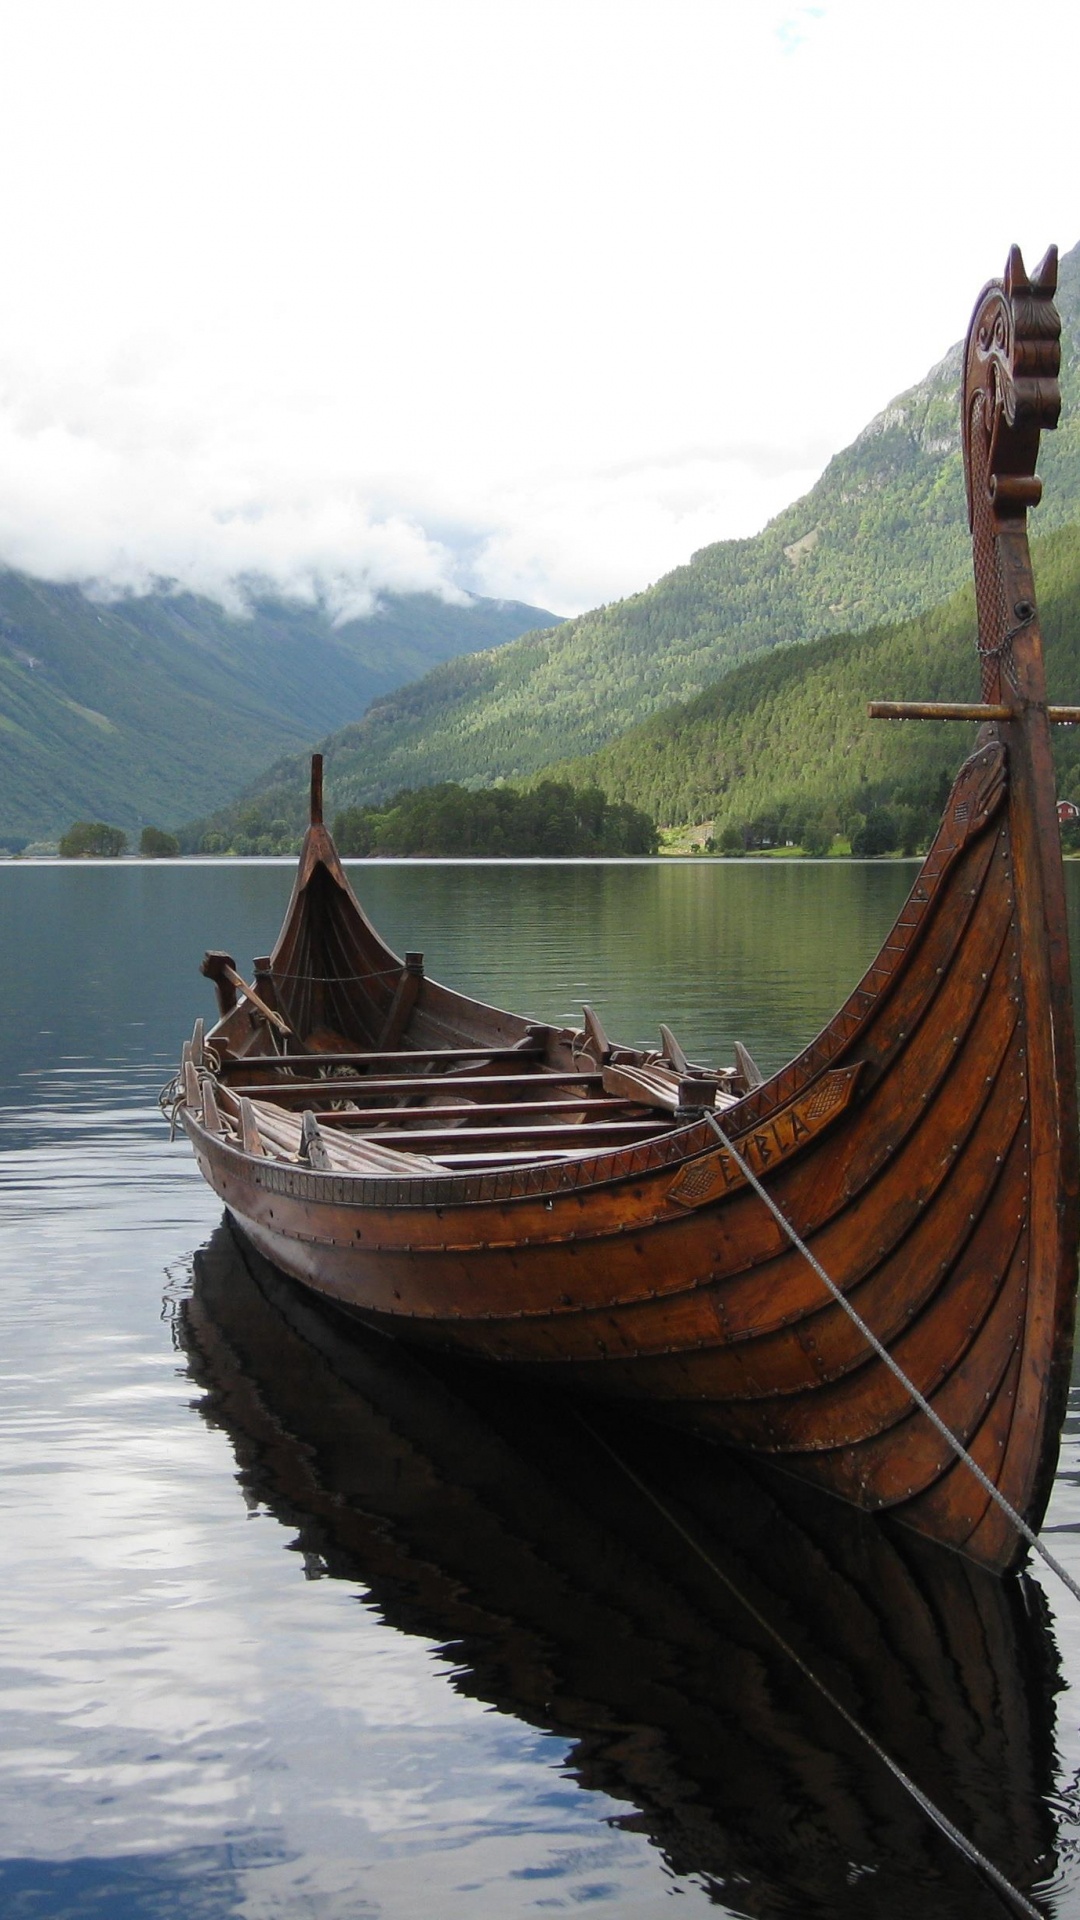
{"x": 762, "y": 1148}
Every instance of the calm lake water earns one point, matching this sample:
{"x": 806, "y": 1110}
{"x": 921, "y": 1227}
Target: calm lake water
{"x": 292, "y": 1624}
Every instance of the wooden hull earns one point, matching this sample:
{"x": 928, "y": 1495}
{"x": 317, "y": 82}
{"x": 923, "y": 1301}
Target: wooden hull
{"x": 924, "y": 1147}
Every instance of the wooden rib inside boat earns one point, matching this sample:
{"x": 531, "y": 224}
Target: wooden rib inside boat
{"x": 544, "y": 1198}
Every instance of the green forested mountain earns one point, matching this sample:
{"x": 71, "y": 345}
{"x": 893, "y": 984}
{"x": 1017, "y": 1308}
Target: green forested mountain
{"x": 150, "y": 710}
{"x": 786, "y": 736}
{"x": 784, "y": 739}
{"x": 881, "y": 537}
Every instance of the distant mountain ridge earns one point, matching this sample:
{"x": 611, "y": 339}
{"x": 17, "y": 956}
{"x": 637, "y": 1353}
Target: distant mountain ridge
{"x": 148, "y": 710}
{"x": 881, "y": 537}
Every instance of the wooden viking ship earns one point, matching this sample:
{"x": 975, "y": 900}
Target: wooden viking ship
{"x": 545, "y": 1199}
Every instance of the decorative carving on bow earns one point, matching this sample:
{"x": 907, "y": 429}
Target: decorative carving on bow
{"x": 1011, "y": 389}
{"x": 1011, "y": 364}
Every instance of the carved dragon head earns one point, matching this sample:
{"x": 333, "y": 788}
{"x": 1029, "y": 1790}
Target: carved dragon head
{"x": 1011, "y": 391}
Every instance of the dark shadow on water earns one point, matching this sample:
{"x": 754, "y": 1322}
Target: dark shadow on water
{"x": 502, "y": 1523}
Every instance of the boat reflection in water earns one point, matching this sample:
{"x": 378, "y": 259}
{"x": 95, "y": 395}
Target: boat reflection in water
{"x": 526, "y": 1538}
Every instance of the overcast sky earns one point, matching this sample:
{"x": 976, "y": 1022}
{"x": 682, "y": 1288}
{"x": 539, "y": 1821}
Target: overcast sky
{"x": 528, "y": 299}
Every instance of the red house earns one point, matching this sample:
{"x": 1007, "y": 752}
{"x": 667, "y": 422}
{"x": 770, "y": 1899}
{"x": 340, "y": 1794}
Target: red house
{"x": 1067, "y": 810}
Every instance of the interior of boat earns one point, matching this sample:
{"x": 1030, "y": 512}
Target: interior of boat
{"x": 340, "y": 1055}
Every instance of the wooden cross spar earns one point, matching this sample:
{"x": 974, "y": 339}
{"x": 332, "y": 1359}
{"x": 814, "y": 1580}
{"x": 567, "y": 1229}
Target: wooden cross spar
{"x": 960, "y": 710}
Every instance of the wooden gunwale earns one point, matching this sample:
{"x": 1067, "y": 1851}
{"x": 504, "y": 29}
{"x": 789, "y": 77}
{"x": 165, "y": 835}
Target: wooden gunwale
{"x": 419, "y": 1193}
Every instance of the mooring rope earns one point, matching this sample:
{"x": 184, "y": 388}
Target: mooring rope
{"x": 894, "y": 1367}
{"x": 1014, "y": 1899}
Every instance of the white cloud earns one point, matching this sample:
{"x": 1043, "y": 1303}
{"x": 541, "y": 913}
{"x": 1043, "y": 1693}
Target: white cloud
{"x": 587, "y": 529}
{"x": 533, "y": 300}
